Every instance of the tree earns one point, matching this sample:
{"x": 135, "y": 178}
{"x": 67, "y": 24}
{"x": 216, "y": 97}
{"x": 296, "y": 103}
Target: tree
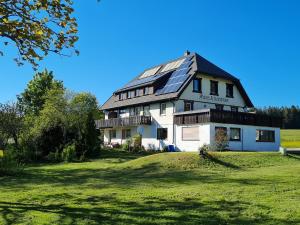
{"x": 38, "y": 28}
{"x": 33, "y": 97}
{"x": 82, "y": 114}
{"x": 11, "y": 122}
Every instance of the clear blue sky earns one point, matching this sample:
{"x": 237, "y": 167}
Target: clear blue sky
{"x": 257, "y": 41}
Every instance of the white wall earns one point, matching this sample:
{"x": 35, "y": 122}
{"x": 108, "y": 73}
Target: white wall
{"x": 248, "y": 138}
{"x": 192, "y": 146}
{"x": 200, "y": 103}
{"x": 158, "y": 121}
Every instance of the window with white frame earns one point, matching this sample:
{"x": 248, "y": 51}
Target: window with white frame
{"x": 235, "y": 134}
{"x": 163, "y": 108}
{"x": 190, "y": 133}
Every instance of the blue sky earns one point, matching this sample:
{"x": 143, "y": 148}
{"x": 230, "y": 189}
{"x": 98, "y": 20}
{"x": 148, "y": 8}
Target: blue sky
{"x": 257, "y": 41}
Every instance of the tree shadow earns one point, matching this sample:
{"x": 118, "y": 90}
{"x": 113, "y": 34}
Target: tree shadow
{"x": 152, "y": 210}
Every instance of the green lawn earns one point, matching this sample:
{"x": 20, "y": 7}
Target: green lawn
{"x": 166, "y": 188}
{"x": 290, "y": 138}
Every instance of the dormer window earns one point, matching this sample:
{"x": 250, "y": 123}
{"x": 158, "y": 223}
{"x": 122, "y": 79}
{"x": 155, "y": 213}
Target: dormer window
{"x": 229, "y": 90}
{"x": 146, "y": 91}
{"x": 197, "y": 85}
{"x": 214, "y": 87}
{"x": 139, "y": 92}
{"x": 123, "y": 96}
{"x": 131, "y": 94}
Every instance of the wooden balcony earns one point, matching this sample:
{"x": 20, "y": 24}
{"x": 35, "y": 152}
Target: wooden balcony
{"x": 123, "y": 122}
{"x": 227, "y": 117}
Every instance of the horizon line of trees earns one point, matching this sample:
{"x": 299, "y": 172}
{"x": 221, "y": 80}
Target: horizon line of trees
{"x": 290, "y": 115}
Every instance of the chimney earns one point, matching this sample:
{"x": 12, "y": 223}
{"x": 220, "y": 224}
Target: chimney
{"x": 186, "y": 53}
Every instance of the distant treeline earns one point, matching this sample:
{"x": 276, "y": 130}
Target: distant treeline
{"x": 290, "y": 115}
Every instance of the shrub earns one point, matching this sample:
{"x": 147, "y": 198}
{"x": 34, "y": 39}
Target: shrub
{"x": 221, "y": 141}
{"x": 137, "y": 143}
{"x": 69, "y": 153}
{"x": 54, "y": 156}
{"x": 9, "y": 165}
{"x": 127, "y": 145}
{"x": 204, "y": 149}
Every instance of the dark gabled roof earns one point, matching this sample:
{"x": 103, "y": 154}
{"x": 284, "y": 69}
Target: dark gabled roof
{"x": 192, "y": 64}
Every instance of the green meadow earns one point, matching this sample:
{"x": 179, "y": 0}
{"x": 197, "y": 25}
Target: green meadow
{"x": 164, "y": 188}
{"x": 290, "y": 138}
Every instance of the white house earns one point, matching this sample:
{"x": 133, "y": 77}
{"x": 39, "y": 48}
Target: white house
{"x": 183, "y": 103}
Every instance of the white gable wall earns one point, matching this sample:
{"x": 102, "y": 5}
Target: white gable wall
{"x": 210, "y": 100}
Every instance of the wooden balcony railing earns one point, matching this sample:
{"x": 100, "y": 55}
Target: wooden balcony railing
{"x": 228, "y": 117}
{"x": 124, "y": 122}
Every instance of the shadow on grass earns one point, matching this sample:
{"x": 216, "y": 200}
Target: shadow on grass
{"x": 220, "y": 162}
{"x": 149, "y": 211}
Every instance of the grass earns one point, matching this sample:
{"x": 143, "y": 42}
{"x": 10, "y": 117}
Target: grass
{"x": 290, "y": 138}
{"x": 166, "y": 188}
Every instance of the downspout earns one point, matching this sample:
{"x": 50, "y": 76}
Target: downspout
{"x": 174, "y": 130}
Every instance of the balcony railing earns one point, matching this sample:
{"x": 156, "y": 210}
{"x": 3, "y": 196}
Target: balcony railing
{"x": 228, "y": 117}
{"x": 124, "y": 122}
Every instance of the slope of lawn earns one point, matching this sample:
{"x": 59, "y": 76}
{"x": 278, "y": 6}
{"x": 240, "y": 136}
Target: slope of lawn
{"x": 290, "y": 138}
{"x": 165, "y": 188}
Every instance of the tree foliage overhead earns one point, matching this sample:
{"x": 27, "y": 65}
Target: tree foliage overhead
{"x": 37, "y": 28}
{"x": 33, "y": 97}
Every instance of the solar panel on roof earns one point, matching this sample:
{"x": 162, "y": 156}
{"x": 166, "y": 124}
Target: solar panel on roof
{"x": 172, "y": 65}
{"x": 150, "y": 72}
{"x": 177, "y": 78}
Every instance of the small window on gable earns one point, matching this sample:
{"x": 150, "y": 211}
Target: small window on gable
{"x": 229, "y": 90}
{"x": 197, "y": 85}
{"x": 214, "y": 87}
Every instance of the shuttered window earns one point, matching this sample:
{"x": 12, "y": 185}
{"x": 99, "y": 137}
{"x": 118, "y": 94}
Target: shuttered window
{"x": 190, "y": 133}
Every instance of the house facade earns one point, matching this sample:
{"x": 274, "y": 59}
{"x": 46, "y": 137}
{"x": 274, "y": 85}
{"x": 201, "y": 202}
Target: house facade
{"x": 183, "y": 103}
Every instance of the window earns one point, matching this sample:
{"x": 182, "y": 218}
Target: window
{"x": 122, "y": 111}
{"x": 147, "y": 110}
{"x": 219, "y": 107}
{"x": 162, "y": 133}
{"x": 188, "y": 105}
{"x": 197, "y": 85}
{"x": 235, "y": 134}
{"x": 234, "y": 109}
{"x": 163, "y": 107}
{"x": 146, "y": 91}
{"x": 190, "y": 133}
{"x": 126, "y": 134}
{"x": 214, "y": 87}
{"x": 265, "y": 136}
{"x": 131, "y": 112}
{"x": 139, "y": 92}
{"x": 229, "y": 90}
{"x": 137, "y": 111}
{"x": 131, "y": 94}
{"x": 112, "y": 134}
{"x": 123, "y": 96}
